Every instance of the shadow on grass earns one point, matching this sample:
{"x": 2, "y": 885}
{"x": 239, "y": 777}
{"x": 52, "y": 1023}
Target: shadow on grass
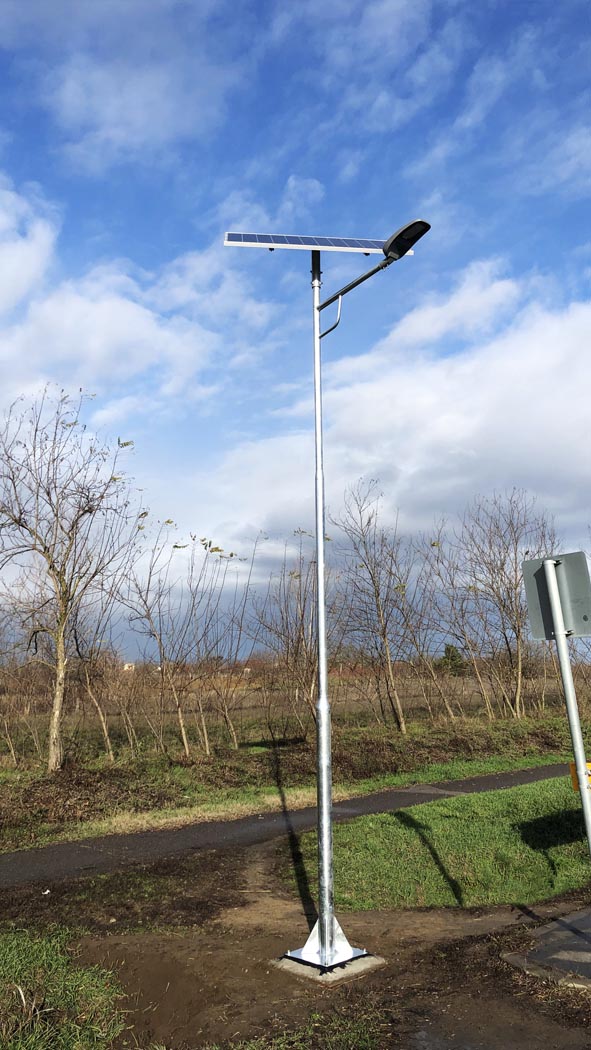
{"x": 297, "y": 859}
{"x": 272, "y": 745}
{"x": 556, "y": 829}
{"x": 414, "y": 825}
{"x": 543, "y": 834}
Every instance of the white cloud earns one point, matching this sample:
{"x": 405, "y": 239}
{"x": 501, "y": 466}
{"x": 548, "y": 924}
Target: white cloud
{"x": 161, "y": 336}
{"x": 388, "y": 101}
{"x": 488, "y": 82}
{"x": 478, "y": 304}
{"x": 258, "y": 485}
{"x": 563, "y": 163}
{"x": 154, "y": 404}
{"x": 114, "y": 110}
{"x": 372, "y": 65}
{"x": 508, "y": 410}
{"x": 349, "y": 165}
{"x": 104, "y": 339}
{"x": 484, "y": 88}
{"x": 347, "y": 34}
{"x": 299, "y": 197}
{"x": 125, "y": 80}
{"x": 378, "y": 33}
{"x": 119, "y": 410}
{"x": 37, "y": 21}
{"x": 28, "y": 231}
{"x": 452, "y": 218}
{"x": 481, "y": 298}
{"x": 210, "y": 290}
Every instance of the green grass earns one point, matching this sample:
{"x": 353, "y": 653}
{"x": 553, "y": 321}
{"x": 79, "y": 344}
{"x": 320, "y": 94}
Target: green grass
{"x": 47, "y": 1003}
{"x": 520, "y": 845}
{"x": 92, "y": 797}
{"x": 201, "y": 803}
{"x": 455, "y": 769}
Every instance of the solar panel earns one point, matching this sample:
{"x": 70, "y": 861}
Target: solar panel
{"x": 366, "y": 246}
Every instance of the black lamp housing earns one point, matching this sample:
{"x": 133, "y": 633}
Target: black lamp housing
{"x": 404, "y": 239}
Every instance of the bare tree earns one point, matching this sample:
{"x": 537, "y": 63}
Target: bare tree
{"x": 452, "y": 607}
{"x": 231, "y": 641}
{"x": 415, "y": 594}
{"x": 95, "y": 631}
{"x": 286, "y": 618}
{"x": 377, "y": 590}
{"x": 67, "y": 524}
{"x": 173, "y": 596}
{"x": 482, "y": 601}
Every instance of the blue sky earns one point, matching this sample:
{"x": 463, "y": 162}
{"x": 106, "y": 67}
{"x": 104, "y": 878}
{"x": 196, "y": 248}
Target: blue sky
{"x": 133, "y": 134}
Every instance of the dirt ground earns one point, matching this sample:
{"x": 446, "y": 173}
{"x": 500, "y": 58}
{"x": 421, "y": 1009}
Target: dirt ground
{"x": 193, "y": 940}
{"x": 206, "y": 974}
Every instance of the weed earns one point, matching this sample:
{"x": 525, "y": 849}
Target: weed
{"x": 362, "y": 1031}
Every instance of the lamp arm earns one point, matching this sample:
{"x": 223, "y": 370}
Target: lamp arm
{"x": 357, "y": 281}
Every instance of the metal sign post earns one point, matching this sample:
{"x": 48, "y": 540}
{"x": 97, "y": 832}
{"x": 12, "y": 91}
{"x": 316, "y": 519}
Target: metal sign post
{"x": 561, "y": 587}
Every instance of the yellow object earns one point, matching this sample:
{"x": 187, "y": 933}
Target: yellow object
{"x": 573, "y": 774}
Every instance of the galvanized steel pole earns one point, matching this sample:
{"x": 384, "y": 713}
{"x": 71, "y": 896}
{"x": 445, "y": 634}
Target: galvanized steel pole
{"x": 324, "y": 763}
{"x": 327, "y": 945}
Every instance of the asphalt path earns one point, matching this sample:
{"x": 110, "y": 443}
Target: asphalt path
{"x": 110, "y": 853}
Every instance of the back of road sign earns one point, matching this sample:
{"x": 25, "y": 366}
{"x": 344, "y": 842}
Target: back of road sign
{"x": 574, "y": 586}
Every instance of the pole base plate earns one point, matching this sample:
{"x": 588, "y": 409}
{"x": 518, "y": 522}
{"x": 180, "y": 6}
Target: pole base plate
{"x": 342, "y": 952}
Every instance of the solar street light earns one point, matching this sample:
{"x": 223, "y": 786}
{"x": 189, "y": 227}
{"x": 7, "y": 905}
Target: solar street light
{"x": 327, "y": 945}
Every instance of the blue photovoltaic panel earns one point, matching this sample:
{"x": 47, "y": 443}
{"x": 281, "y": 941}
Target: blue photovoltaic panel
{"x": 282, "y": 240}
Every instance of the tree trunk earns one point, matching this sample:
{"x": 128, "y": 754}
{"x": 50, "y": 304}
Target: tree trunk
{"x": 10, "y": 743}
{"x": 518, "y": 696}
{"x": 180, "y": 715}
{"x": 202, "y": 727}
{"x": 230, "y": 727}
{"x": 56, "y": 745}
{"x": 102, "y": 717}
{"x": 391, "y": 681}
{"x": 442, "y": 696}
{"x": 130, "y": 732}
{"x": 393, "y": 691}
{"x": 481, "y": 685}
